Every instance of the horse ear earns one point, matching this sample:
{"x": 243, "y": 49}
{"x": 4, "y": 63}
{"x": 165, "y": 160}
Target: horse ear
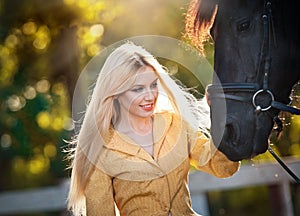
{"x": 205, "y": 13}
{"x": 199, "y": 19}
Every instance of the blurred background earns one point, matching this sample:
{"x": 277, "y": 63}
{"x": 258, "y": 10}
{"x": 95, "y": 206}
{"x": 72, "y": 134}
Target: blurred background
{"x": 44, "y": 45}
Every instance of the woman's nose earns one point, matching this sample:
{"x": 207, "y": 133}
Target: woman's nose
{"x": 149, "y": 95}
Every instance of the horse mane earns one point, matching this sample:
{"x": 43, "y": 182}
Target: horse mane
{"x": 198, "y": 21}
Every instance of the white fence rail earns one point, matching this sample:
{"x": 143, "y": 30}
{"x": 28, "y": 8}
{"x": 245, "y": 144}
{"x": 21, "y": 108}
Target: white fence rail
{"x": 54, "y": 198}
{"x": 248, "y": 175}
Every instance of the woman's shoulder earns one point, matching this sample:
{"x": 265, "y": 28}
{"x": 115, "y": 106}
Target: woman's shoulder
{"x": 167, "y": 115}
{"x": 174, "y": 119}
{"x": 170, "y": 118}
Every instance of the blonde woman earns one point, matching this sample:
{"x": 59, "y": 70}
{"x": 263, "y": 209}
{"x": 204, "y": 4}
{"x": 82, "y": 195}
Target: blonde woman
{"x": 140, "y": 134}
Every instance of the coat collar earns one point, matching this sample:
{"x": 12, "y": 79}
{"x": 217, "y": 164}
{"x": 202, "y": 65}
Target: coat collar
{"x": 122, "y": 143}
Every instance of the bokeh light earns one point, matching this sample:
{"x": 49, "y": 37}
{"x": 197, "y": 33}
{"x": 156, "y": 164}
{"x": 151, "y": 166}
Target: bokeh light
{"x": 57, "y": 123}
{"x": 29, "y": 28}
{"x": 97, "y": 30}
{"x": 6, "y": 141}
{"x": 50, "y": 150}
{"x": 9, "y": 64}
{"x": 43, "y": 120}
{"x": 38, "y": 164}
{"x": 42, "y": 38}
{"x": 43, "y": 86}
{"x": 29, "y": 93}
{"x": 15, "y": 103}
{"x": 11, "y": 41}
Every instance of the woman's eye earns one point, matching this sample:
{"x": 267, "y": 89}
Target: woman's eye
{"x": 154, "y": 85}
{"x": 140, "y": 89}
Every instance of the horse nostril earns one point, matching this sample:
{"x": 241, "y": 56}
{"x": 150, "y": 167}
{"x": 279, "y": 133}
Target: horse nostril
{"x": 231, "y": 134}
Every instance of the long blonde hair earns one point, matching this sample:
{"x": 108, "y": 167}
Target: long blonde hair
{"x": 117, "y": 76}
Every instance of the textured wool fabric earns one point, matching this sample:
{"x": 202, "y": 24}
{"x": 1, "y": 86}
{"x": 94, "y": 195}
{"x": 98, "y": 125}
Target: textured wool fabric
{"x": 144, "y": 185}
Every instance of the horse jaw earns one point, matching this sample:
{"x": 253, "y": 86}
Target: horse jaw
{"x": 243, "y": 134}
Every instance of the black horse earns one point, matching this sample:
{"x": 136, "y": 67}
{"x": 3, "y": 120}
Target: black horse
{"x": 257, "y": 62}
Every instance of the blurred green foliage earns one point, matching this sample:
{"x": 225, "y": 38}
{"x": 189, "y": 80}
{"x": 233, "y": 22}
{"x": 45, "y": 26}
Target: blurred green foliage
{"x": 43, "y": 47}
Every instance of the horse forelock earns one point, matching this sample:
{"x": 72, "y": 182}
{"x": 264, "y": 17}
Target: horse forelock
{"x": 199, "y": 19}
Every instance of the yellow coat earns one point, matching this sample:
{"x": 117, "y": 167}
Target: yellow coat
{"x": 141, "y": 185}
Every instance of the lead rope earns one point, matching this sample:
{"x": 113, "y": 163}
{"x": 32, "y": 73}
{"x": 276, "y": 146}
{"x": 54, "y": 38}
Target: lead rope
{"x": 284, "y": 166}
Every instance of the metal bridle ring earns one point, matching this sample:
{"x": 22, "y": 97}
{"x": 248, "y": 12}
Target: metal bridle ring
{"x": 258, "y": 107}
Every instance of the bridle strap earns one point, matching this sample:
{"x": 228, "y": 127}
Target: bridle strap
{"x": 222, "y": 91}
{"x": 286, "y": 108}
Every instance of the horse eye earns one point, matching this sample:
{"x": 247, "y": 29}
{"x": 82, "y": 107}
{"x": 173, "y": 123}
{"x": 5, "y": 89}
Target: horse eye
{"x": 243, "y": 26}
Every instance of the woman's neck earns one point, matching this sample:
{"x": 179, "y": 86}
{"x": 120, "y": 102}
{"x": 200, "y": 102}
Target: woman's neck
{"x": 140, "y": 126}
{"x": 139, "y": 130}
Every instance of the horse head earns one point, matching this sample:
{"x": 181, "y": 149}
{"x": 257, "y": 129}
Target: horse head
{"x": 256, "y": 63}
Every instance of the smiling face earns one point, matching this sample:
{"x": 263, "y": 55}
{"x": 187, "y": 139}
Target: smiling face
{"x": 139, "y": 101}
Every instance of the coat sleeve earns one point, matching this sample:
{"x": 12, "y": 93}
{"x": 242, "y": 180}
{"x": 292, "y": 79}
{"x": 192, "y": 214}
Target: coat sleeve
{"x": 206, "y": 157}
{"x": 99, "y": 195}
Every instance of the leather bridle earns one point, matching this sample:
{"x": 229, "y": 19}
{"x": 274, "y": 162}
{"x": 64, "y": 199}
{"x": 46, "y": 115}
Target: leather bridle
{"x": 257, "y": 92}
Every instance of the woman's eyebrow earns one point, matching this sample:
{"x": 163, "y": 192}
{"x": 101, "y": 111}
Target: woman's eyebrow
{"x": 138, "y": 84}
